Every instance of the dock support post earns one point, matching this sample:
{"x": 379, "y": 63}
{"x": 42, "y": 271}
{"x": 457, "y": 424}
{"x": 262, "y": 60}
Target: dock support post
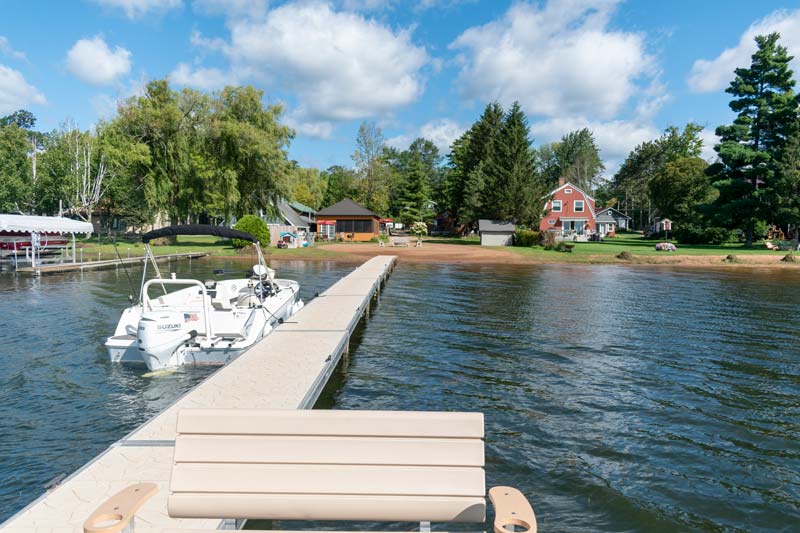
{"x": 74, "y": 259}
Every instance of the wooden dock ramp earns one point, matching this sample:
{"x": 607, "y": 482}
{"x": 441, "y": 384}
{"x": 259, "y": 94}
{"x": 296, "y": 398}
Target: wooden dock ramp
{"x": 286, "y": 370}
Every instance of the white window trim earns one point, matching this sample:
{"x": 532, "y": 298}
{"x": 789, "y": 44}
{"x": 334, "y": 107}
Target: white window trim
{"x": 560, "y": 206}
{"x": 583, "y": 206}
{"x": 567, "y": 191}
{"x": 551, "y": 221}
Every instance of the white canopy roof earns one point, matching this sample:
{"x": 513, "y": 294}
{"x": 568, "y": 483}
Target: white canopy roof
{"x": 27, "y": 224}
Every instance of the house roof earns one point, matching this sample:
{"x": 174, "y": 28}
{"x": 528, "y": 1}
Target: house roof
{"x": 346, "y": 207}
{"x": 287, "y": 215}
{"x": 604, "y": 216}
{"x": 302, "y": 208}
{"x": 569, "y": 185}
{"x": 617, "y": 213}
{"x": 495, "y": 225}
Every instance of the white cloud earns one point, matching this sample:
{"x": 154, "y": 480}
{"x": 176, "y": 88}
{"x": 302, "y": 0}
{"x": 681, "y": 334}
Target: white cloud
{"x": 340, "y": 66}
{"x": 231, "y": 8}
{"x": 137, "y": 8}
{"x": 92, "y": 61}
{"x": 6, "y": 49}
{"x": 715, "y": 74}
{"x": 366, "y": 5}
{"x": 442, "y": 132}
{"x": 709, "y": 140}
{"x": 557, "y": 59}
{"x": 15, "y": 92}
{"x": 320, "y": 129}
{"x": 205, "y": 79}
{"x": 105, "y": 105}
{"x": 615, "y": 138}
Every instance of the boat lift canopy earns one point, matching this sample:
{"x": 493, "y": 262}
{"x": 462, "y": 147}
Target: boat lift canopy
{"x": 197, "y": 229}
{"x": 39, "y": 224}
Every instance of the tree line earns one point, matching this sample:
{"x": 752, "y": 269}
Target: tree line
{"x": 753, "y": 185}
{"x": 189, "y": 156}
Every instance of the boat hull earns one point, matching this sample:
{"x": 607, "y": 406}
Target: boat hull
{"x": 126, "y": 345}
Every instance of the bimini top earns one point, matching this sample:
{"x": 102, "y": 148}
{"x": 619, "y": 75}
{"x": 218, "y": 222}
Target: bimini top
{"x": 29, "y": 223}
{"x": 197, "y": 229}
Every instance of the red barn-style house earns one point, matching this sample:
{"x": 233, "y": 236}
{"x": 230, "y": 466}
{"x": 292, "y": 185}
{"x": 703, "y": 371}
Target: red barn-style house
{"x": 570, "y": 212}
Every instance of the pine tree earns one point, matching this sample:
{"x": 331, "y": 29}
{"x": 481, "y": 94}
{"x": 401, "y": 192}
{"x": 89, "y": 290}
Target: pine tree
{"x": 785, "y": 197}
{"x": 766, "y": 105}
{"x": 471, "y": 155}
{"x": 510, "y": 191}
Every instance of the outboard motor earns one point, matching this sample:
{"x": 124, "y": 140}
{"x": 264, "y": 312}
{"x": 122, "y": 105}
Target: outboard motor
{"x": 159, "y": 334}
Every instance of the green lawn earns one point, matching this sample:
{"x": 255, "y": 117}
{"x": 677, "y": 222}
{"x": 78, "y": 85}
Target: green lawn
{"x": 192, "y": 243}
{"x": 632, "y": 243}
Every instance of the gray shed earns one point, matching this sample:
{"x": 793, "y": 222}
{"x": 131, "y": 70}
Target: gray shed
{"x": 496, "y": 232}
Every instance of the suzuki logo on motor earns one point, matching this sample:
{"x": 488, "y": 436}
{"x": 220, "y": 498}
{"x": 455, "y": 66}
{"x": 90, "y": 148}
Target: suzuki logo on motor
{"x": 169, "y": 326}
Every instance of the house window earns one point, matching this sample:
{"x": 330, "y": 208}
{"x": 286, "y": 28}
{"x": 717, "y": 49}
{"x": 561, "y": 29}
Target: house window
{"x": 354, "y": 226}
{"x": 579, "y": 206}
{"x": 556, "y": 206}
{"x": 567, "y": 191}
{"x": 551, "y": 221}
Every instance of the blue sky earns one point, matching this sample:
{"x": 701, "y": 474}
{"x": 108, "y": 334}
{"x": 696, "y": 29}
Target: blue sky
{"x": 625, "y": 69}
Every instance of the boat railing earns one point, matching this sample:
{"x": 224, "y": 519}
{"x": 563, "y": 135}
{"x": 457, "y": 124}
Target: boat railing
{"x": 148, "y": 305}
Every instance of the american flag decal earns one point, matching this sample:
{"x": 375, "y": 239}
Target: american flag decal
{"x": 190, "y": 317}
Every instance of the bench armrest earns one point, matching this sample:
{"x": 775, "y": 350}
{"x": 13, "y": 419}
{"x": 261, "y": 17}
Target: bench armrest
{"x": 511, "y": 508}
{"x": 117, "y": 512}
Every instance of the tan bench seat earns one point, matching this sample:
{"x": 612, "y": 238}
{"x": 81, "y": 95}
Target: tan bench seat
{"x": 376, "y": 466}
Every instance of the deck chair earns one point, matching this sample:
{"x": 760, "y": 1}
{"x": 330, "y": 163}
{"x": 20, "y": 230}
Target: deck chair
{"x": 375, "y": 466}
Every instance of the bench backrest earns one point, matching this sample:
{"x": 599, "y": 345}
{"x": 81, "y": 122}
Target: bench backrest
{"x": 329, "y": 465}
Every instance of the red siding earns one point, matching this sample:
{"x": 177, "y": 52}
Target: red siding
{"x": 568, "y": 209}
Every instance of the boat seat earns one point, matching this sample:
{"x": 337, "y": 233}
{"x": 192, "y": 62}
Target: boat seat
{"x": 374, "y": 466}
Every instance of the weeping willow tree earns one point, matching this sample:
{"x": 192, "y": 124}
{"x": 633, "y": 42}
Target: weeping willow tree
{"x": 187, "y": 154}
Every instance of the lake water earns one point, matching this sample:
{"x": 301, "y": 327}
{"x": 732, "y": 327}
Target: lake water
{"x": 617, "y": 398}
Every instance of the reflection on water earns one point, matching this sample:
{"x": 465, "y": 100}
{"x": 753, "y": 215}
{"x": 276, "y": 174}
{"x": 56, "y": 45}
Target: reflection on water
{"x": 619, "y": 399}
{"x": 61, "y": 401}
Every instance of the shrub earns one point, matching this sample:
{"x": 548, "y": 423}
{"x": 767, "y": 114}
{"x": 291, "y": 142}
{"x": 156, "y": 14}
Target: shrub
{"x": 548, "y": 239}
{"x": 789, "y": 258}
{"x": 691, "y": 234}
{"x": 526, "y": 237}
{"x": 626, "y": 256}
{"x": 419, "y": 228}
{"x": 561, "y": 247}
{"x": 731, "y": 258}
{"x": 254, "y": 226}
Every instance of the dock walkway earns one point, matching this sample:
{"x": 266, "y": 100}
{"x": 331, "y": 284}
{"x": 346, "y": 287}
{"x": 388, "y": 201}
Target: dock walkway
{"x": 53, "y": 268}
{"x": 286, "y": 370}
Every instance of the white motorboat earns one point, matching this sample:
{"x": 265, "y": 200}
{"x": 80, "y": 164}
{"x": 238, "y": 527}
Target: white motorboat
{"x": 200, "y": 322}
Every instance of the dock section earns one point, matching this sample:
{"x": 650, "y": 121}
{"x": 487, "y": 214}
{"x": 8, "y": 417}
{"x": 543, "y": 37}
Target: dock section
{"x": 55, "y": 268}
{"x": 286, "y": 370}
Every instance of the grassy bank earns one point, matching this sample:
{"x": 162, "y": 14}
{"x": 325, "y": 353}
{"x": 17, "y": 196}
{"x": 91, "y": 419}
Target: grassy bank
{"x": 94, "y": 250}
{"x": 632, "y": 243}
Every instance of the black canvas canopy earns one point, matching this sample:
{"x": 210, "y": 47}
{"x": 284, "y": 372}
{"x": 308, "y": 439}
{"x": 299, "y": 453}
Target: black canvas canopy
{"x": 197, "y": 229}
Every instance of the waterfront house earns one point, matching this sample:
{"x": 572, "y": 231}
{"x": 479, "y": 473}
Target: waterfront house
{"x": 496, "y": 232}
{"x": 287, "y": 227}
{"x": 609, "y": 221}
{"x": 570, "y": 212}
{"x": 307, "y": 215}
{"x": 347, "y": 221}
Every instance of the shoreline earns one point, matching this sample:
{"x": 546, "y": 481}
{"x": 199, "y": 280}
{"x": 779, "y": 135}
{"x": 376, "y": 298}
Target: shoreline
{"x": 478, "y": 255}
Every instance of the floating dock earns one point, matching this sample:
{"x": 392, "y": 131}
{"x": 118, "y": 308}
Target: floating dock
{"x": 54, "y": 268}
{"x": 286, "y": 370}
